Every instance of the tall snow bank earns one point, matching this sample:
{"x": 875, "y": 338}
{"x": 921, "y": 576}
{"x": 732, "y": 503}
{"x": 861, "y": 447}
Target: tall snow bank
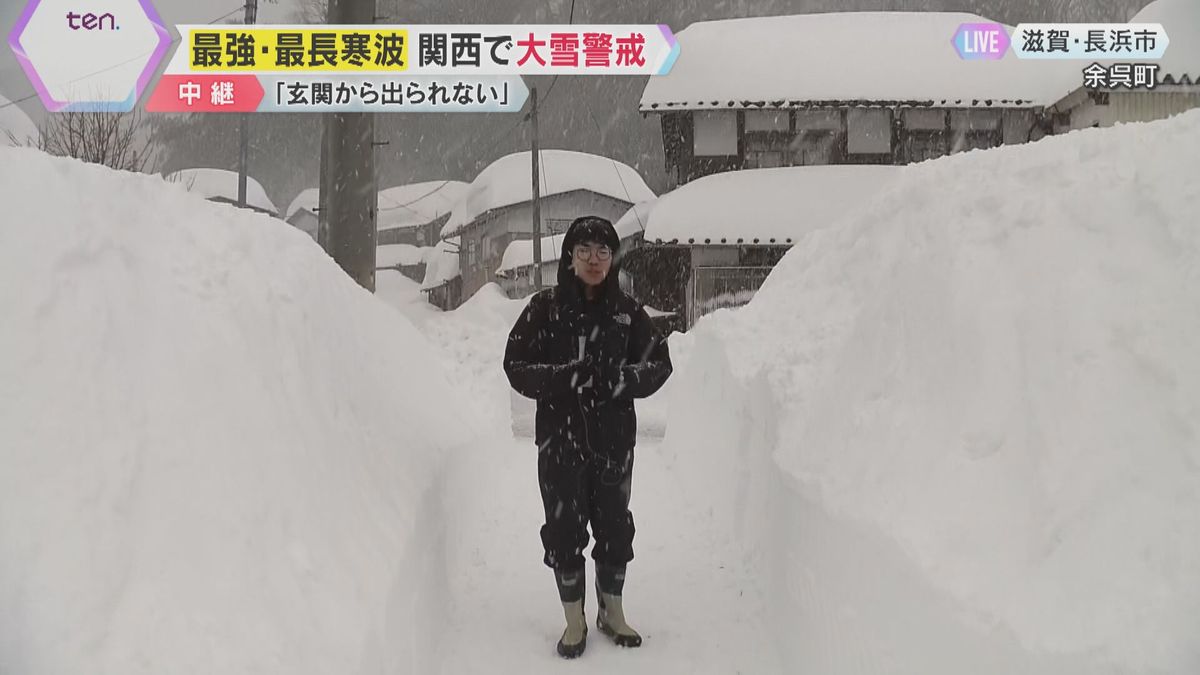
{"x": 217, "y": 453}
{"x": 223, "y": 184}
{"x": 994, "y": 364}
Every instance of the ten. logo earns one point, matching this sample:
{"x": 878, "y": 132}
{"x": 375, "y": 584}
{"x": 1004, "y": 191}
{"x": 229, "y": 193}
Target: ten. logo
{"x": 91, "y": 21}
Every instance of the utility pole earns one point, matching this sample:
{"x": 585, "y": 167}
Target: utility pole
{"x": 244, "y": 123}
{"x": 537, "y": 190}
{"x": 350, "y": 171}
{"x": 324, "y": 187}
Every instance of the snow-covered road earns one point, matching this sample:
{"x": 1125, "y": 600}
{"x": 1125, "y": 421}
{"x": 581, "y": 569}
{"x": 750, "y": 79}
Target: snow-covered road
{"x": 697, "y": 609}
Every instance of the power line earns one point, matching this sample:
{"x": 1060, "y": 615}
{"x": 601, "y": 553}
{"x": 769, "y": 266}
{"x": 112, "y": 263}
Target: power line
{"x": 414, "y": 201}
{"x": 550, "y": 89}
{"x": 118, "y": 65}
{"x": 501, "y": 137}
{"x": 624, "y": 187}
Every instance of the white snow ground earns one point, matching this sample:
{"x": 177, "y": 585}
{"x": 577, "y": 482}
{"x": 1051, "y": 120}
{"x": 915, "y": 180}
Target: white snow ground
{"x": 948, "y": 436}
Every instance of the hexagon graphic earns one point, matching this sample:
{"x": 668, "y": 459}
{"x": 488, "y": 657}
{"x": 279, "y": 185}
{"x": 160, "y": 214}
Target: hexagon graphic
{"x": 975, "y": 41}
{"x": 95, "y": 60}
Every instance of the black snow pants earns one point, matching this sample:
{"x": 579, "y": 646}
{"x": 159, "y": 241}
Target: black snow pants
{"x": 578, "y": 489}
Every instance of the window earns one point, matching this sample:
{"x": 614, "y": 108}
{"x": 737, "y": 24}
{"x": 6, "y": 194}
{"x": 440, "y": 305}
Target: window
{"x": 766, "y": 150}
{"x": 715, "y": 133}
{"x": 816, "y": 147}
{"x": 767, "y": 137}
{"x": 818, "y": 139}
{"x": 922, "y": 145}
{"x": 869, "y": 131}
{"x": 472, "y": 253}
{"x": 1018, "y": 126}
{"x": 768, "y": 120}
{"x": 975, "y": 129}
{"x": 925, "y": 135}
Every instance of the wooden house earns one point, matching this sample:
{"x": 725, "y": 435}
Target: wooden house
{"x": 710, "y": 244}
{"x": 841, "y": 88}
{"x": 1177, "y": 87}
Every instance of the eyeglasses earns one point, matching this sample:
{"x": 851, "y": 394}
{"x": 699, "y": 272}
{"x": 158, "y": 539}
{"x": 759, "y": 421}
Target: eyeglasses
{"x": 586, "y": 252}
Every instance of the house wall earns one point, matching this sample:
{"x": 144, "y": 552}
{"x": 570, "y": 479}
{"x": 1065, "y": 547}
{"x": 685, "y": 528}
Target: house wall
{"x": 397, "y": 235}
{"x": 519, "y": 283}
{"x": 702, "y": 143}
{"x": 448, "y": 296}
{"x": 725, "y": 276}
{"x": 417, "y": 235}
{"x": 1139, "y": 106}
{"x": 484, "y": 241}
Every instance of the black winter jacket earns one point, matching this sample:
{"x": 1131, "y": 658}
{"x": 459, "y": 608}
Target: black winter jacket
{"x": 627, "y": 358}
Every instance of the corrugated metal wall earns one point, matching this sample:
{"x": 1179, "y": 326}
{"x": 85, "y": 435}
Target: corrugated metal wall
{"x": 1134, "y": 107}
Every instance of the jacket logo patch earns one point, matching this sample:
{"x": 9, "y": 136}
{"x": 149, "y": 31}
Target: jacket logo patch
{"x": 624, "y": 319}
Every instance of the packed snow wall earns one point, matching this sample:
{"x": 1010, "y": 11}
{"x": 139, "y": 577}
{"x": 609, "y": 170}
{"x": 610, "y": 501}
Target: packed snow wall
{"x": 982, "y": 408}
{"x": 217, "y": 453}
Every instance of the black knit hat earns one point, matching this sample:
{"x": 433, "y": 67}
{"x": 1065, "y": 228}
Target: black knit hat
{"x": 591, "y": 229}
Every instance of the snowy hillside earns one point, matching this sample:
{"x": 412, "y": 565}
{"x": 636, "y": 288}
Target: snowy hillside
{"x": 217, "y": 453}
{"x": 984, "y": 394}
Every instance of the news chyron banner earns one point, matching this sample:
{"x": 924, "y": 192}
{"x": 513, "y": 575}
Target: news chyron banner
{"x": 393, "y": 68}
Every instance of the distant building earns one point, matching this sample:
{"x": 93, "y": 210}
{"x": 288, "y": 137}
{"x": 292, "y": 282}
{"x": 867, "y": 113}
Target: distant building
{"x": 497, "y": 208}
{"x": 443, "y": 280}
{"x": 407, "y": 214}
{"x": 409, "y": 260}
{"x": 414, "y": 214}
{"x": 841, "y": 88}
{"x": 710, "y": 244}
{"x": 219, "y": 185}
{"x": 1178, "y": 83}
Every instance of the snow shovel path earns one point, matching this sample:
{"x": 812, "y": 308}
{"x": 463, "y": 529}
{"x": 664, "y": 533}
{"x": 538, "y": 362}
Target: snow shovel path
{"x": 696, "y": 611}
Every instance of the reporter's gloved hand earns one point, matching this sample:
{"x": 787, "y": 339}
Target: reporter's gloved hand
{"x": 583, "y": 372}
{"x": 607, "y": 381}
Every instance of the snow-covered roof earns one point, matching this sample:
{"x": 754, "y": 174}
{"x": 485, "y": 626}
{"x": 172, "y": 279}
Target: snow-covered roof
{"x": 1181, "y": 20}
{"x": 14, "y": 120}
{"x": 400, "y": 206}
{"x": 764, "y": 206}
{"x": 307, "y": 200}
{"x": 635, "y": 219}
{"x": 442, "y": 265}
{"x": 393, "y": 255}
{"x": 846, "y": 56}
{"x": 418, "y": 203}
{"x": 508, "y": 181}
{"x": 519, "y": 253}
{"x": 219, "y": 183}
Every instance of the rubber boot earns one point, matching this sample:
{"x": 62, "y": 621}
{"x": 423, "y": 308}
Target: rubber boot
{"x": 611, "y": 618}
{"x": 571, "y": 591}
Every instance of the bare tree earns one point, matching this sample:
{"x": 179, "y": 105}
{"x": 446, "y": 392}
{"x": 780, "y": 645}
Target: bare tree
{"x": 112, "y": 139}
